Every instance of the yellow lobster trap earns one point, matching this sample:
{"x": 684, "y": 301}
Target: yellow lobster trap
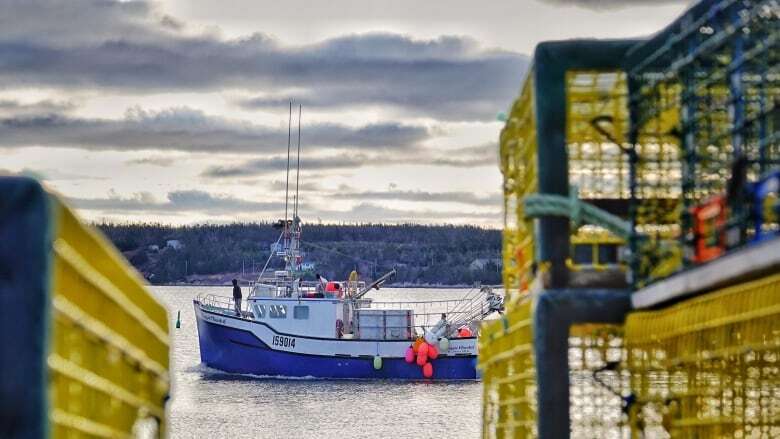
{"x": 618, "y": 144}
{"x": 708, "y": 366}
{"x": 85, "y": 346}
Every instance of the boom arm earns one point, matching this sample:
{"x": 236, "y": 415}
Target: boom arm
{"x": 375, "y": 284}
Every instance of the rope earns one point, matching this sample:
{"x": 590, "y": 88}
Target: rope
{"x": 579, "y": 211}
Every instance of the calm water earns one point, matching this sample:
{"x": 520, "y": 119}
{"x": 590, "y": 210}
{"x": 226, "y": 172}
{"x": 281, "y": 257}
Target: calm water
{"x": 210, "y": 404}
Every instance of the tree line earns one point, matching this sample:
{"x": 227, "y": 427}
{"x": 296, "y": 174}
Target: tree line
{"x": 421, "y": 254}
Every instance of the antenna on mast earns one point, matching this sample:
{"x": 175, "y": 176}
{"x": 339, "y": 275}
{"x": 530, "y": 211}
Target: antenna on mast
{"x": 287, "y": 187}
{"x": 298, "y": 171}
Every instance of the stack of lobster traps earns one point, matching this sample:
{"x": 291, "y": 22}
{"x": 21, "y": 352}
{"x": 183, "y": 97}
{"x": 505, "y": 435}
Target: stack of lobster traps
{"x": 664, "y": 151}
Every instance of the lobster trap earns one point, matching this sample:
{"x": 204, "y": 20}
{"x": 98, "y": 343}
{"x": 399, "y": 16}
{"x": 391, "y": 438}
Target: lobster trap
{"x": 663, "y": 152}
{"x": 85, "y": 346}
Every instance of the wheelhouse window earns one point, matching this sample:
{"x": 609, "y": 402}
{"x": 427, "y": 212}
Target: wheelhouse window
{"x": 301, "y": 312}
{"x": 259, "y": 311}
{"x": 277, "y": 311}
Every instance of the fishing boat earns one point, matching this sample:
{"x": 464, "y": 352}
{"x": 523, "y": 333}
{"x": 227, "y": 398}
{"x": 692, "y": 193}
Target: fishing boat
{"x": 290, "y": 327}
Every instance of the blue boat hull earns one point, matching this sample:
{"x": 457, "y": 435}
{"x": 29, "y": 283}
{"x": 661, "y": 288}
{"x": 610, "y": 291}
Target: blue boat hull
{"x": 238, "y": 351}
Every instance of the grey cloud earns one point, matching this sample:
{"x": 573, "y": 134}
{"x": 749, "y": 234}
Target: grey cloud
{"x": 194, "y": 201}
{"x": 14, "y": 108}
{"x": 51, "y": 175}
{"x": 482, "y": 155}
{"x": 176, "y": 202}
{"x": 153, "y": 161}
{"x": 370, "y": 212}
{"x": 274, "y": 164}
{"x": 613, "y": 4}
{"x": 494, "y": 200}
{"x": 307, "y": 186}
{"x": 448, "y": 78}
{"x": 184, "y": 129}
{"x": 69, "y": 23}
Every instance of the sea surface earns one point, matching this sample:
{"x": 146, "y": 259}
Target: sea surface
{"x": 207, "y": 403}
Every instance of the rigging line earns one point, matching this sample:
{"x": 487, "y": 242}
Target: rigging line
{"x": 298, "y": 172}
{"x": 287, "y": 186}
{"x": 355, "y": 258}
{"x": 270, "y": 256}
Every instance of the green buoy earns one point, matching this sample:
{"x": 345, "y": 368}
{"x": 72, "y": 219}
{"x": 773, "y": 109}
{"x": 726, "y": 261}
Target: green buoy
{"x": 178, "y": 319}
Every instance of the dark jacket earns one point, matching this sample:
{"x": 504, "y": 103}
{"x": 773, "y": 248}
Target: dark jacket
{"x": 236, "y": 292}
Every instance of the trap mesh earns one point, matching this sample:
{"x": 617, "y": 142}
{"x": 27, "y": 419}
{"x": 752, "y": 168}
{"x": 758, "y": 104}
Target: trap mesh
{"x": 596, "y": 385}
{"x": 596, "y": 127}
{"x": 706, "y": 120}
{"x": 709, "y": 366}
{"x": 508, "y": 367}
{"x": 508, "y": 374}
{"x": 684, "y": 116}
{"x": 518, "y": 166}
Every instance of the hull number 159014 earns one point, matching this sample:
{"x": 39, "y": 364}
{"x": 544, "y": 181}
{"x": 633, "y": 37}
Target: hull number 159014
{"x": 285, "y": 342}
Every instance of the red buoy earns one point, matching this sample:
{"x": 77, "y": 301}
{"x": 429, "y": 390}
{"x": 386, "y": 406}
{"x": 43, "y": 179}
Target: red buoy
{"x": 433, "y": 353}
{"x": 428, "y": 370}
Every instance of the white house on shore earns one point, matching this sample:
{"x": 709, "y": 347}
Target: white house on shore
{"x": 174, "y": 244}
{"x": 481, "y": 263}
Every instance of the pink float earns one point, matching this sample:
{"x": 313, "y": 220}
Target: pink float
{"x": 409, "y": 355}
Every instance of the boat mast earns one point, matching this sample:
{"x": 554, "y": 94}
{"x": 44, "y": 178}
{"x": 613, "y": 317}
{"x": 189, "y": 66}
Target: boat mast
{"x": 287, "y": 185}
{"x": 295, "y": 257}
{"x": 298, "y": 167}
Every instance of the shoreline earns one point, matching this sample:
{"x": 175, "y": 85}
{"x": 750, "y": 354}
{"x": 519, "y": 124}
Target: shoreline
{"x": 400, "y": 286}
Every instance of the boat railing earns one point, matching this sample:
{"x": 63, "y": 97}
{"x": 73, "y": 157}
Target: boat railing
{"x": 221, "y": 304}
{"x": 283, "y": 287}
{"x": 428, "y": 313}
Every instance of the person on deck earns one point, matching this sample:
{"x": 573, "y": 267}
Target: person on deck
{"x": 237, "y": 297}
{"x": 440, "y": 329}
{"x": 352, "y": 285}
{"x": 321, "y": 283}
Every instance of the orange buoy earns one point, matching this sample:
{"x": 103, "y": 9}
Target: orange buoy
{"x": 421, "y": 359}
{"x": 423, "y": 350}
{"x": 465, "y": 331}
{"x": 417, "y": 343}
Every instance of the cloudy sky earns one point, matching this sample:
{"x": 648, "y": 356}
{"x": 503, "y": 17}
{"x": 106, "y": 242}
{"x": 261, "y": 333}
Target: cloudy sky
{"x": 176, "y": 111}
